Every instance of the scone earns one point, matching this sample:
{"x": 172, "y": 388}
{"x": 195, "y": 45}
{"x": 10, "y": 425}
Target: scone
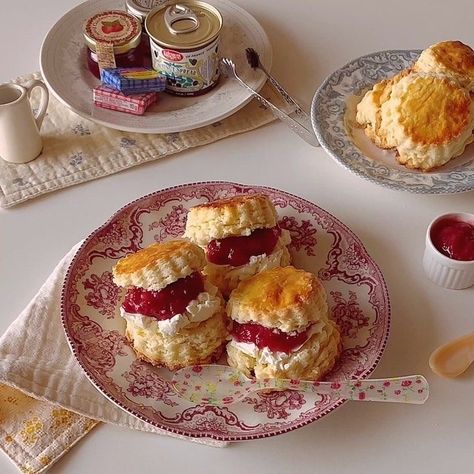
{"x": 369, "y": 109}
{"x": 452, "y": 59}
{"x": 281, "y": 326}
{"x": 174, "y": 316}
{"x": 429, "y": 119}
{"x": 240, "y": 236}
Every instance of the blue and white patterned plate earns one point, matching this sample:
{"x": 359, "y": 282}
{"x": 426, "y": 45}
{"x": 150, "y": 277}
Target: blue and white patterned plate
{"x": 333, "y": 116}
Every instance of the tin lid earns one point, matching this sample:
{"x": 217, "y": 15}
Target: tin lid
{"x": 184, "y": 25}
{"x": 115, "y": 27}
{"x": 140, "y": 8}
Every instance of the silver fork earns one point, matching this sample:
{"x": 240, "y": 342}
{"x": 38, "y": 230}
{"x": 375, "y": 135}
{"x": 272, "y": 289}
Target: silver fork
{"x": 227, "y": 67}
{"x": 253, "y": 58}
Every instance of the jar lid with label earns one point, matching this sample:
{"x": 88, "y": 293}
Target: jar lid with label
{"x": 115, "y": 27}
{"x": 140, "y": 8}
{"x": 184, "y": 25}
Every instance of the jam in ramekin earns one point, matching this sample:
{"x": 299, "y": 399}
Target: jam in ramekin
{"x": 454, "y": 238}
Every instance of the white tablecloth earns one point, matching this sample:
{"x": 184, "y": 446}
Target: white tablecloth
{"x": 310, "y": 40}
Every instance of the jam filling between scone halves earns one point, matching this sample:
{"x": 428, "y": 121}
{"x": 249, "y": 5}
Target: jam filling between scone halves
{"x": 236, "y": 251}
{"x": 274, "y": 339}
{"x": 166, "y": 303}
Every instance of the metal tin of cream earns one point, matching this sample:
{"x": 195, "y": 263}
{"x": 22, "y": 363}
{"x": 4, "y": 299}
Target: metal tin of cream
{"x": 184, "y": 41}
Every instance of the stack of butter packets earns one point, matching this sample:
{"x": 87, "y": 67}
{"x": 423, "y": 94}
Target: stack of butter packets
{"x": 130, "y": 90}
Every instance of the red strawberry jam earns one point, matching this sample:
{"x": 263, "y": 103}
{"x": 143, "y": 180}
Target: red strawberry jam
{"x": 166, "y": 303}
{"x": 454, "y": 238}
{"x": 237, "y": 251}
{"x": 274, "y": 339}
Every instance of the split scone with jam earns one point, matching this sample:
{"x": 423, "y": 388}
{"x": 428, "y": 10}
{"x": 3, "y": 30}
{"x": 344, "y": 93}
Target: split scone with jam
{"x": 240, "y": 236}
{"x": 281, "y": 326}
{"x": 174, "y": 316}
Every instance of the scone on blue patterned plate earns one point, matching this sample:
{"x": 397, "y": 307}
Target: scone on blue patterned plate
{"x": 240, "y": 236}
{"x": 426, "y": 112}
{"x": 281, "y": 326}
{"x": 429, "y": 119}
{"x": 369, "y": 109}
{"x": 174, "y": 316}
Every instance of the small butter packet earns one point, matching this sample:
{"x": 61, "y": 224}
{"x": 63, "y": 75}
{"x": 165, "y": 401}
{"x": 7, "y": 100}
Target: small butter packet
{"x": 109, "y": 98}
{"x": 133, "y": 80}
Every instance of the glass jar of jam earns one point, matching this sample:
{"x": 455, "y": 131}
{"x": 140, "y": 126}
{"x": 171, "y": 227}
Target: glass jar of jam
{"x": 113, "y": 39}
{"x": 140, "y": 9}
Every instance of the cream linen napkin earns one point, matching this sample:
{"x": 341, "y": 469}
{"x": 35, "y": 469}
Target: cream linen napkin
{"x": 78, "y": 150}
{"x": 46, "y": 402}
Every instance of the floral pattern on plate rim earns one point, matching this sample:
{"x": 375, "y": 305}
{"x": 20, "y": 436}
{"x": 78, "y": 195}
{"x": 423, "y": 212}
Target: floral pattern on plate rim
{"x": 97, "y": 340}
{"x": 328, "y": 117}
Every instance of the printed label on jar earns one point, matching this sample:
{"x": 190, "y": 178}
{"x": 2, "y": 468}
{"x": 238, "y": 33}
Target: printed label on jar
{"x": 187, "y": 72}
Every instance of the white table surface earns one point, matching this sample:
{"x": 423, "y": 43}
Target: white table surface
{"x": 310, "y": 40}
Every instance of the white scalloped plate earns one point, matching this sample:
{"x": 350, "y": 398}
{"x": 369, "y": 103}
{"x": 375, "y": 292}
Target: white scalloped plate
{"x": 357, "y": 297}
{"x": 64, "y": 69}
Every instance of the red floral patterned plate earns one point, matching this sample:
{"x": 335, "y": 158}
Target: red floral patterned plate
{"x": 357, "y": 294}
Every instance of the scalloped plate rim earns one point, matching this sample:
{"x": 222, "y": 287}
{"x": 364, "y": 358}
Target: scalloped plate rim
{"x": 229, "y": 438}
{"x": 318, "y": 129}
{"x": 151, "y": 129}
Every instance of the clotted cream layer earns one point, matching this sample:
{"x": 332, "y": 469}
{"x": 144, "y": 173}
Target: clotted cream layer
{"x": 278, "y": 360}
{"x": 198, "y": 310}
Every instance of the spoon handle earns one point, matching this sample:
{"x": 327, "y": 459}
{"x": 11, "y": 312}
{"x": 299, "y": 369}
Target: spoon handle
{"x": 410, "y": 389}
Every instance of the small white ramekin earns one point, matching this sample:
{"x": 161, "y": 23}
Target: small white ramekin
{"x": 442, "y": 270}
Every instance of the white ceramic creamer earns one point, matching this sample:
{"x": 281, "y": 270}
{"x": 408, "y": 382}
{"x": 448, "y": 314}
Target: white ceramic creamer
{"x": 20, "y": 140}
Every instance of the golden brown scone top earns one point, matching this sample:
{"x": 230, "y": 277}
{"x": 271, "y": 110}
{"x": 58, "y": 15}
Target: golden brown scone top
{"x": 426, "y": 112}
{"x": 284, "y": 298}
{"x": 235, "y": 216}
{"x": 234, "y": 201}
{"x": 276, "y": 289}
{"x": 455, "y": 56}
{"x": 434, "y": 110}
{"x": 159, "y": 264}
{"x": 158, "y": 252}
{"x": 452, "y": 59}
{"x": 369, "y": 109}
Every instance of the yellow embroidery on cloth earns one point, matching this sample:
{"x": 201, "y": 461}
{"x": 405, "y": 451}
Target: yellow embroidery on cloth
{"x": 45, "y": 460}
{"x": 63, "y": 418}
{"x": 31, "y": 431}
{"x": 35, "y": 434}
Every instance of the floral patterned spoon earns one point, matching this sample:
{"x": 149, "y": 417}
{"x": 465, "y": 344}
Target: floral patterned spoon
{"x": 222, "y": 385}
